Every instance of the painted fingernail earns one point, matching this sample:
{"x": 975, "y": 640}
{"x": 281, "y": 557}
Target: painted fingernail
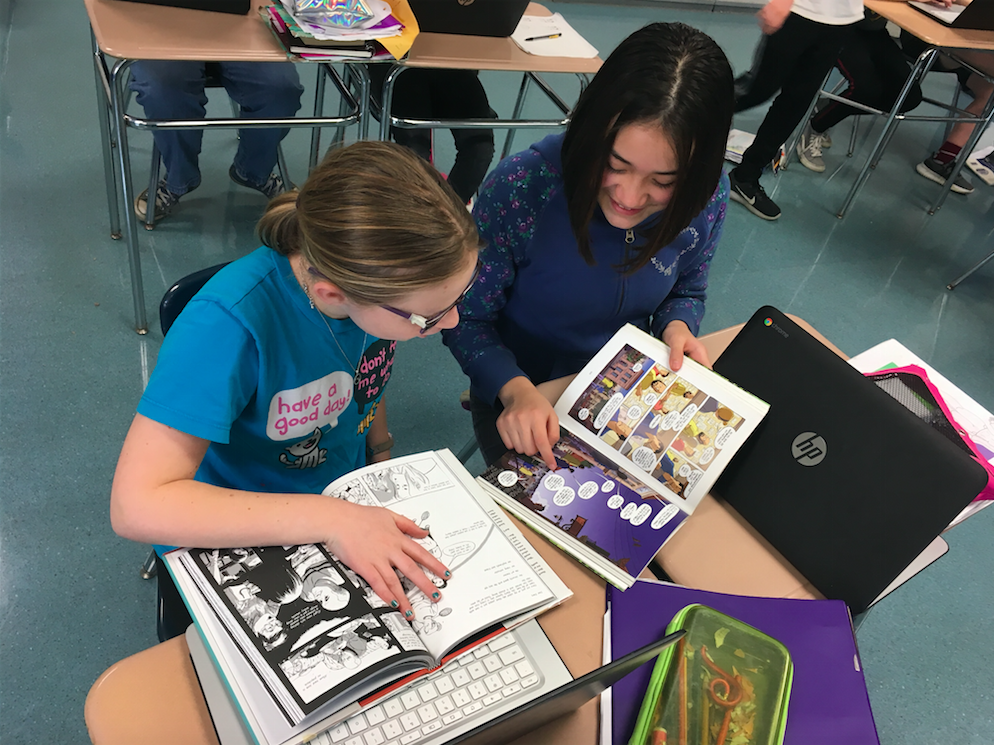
{"x": 435, "y": 595}
{"x": 448, "y": 573}
{"x": 394, "y": 604}
{"x": 408, "y": 613}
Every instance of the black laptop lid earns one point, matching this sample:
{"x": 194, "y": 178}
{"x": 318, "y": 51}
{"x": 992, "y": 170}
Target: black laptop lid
{"x": 565, "y": 699}
{"x": 472, "y": 18}
{"x": 839, "y": 477}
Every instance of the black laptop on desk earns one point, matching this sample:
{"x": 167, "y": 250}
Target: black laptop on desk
{"x": 840, "y": 478}
{"x": 472, "y": 18}
{"x": 977, "y": 16}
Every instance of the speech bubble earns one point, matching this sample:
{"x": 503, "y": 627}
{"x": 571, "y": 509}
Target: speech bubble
{"x": 644, "y": 458}
{"x": 637, "y": 367}
{"x": 507, "y": 478}
{"x": 656, "y": 421}
{"x": 608, "y": 411}
{"x": 459, "y": 549}
{"x": 723, "y": 436}
{"x": 706, "y": 456}
{"x": 693, "y": 479}
{"x": 563, "y": 497}
{"x": 587, "y": 490}
{"x": 664, "y": 516}
{"x": 607, "y": 486}
{"x": 641, "y": 515}
{"x": 650, "y": 397}
{"x": 684, "y": 470}
{"x": 615, "y": 501}
{"x": 686, "y": 415}
{"x": 630, "y": 509}
{"x": 553, "y": 481}
{"x": 669, "y": 421}
{"x": 634, "y": 413}
{"x": 583, "y": 414}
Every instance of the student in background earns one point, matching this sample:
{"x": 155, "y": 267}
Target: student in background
{"x": 444, "y": 94}
{"x": 800, "y": 43}
{"x": 614, "y": 222}
{"x": 270, "y": 383}
{"x": 875, "y": 69}
{"x": 175, "y": 90}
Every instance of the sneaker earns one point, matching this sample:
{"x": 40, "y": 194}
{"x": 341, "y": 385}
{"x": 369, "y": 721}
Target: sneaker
{"x": 809, "y": 146}
{"x": 938, "y": 172}
{"x": 753, "y": 198}
{"x": 165, "y": 200}
{"x": 273, "y": 187}
{"x": 826, "y": 139}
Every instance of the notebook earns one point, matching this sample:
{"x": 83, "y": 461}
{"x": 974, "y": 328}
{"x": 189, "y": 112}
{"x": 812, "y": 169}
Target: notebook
{"x": 978, "y": 15}
{"x": 843, "y": 481}
{"x": 479, "y": 18}
{"x": 492, "y": 721}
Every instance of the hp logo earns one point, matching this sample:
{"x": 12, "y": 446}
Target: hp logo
{"x": 809, "y": 449}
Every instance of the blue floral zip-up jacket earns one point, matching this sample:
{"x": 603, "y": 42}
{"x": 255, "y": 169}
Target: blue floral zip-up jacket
{"x": 538, "y": 309}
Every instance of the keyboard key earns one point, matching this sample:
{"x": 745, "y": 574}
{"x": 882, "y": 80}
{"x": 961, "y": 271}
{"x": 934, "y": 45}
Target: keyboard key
{"x": 393, "y": 707}
{"x": 461, "y": 677}
{"x": 461, "y": 697}
{"x": 354, "y": 741}
{"x": 524, "y": 668}
{"x": 498, "y": 643}
{"x": 511, "y": 655}
{"x": 509, "y": 675}
{"x": 427, "y": 713}
{"x": 375, "y": 715}
{"x": 492, "y": 699}
{"x": 444, "y": 684}
{"x": 493, "y": 683}
{"x": 451, "y": 717}
{"x": 410, "y": 721}
{"x": 477, "y": 670}
{"x": 492, "y": 663}
{"x": 410, "y": 699}
{"x": 429, "y": 728}
{"x": 392, "y": 729}
{"x": 511, "y": 689}
{"x": 357, "y": 724}
{"x": 529, "y": 681}
{"x": 339, "y": 732}
{"x": 410, "y": 737}
{"x": 472, "y": 708}
{"x": 427, "y": 692}
{"x": 477, "y": 690}
{"x": 481, "y": 651}
{"x": 374, "y": 737}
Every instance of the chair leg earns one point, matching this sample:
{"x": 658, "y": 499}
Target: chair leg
{"x": 952, "y": 285}
{"x": 467, "y": 450}
{"x": 153, "y": 184}
{"x": 855, "y": 133}
{"x": 148, "y": 569}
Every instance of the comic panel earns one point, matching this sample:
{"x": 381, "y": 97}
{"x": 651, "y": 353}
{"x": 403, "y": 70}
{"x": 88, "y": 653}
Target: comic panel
{"x": 706, "y": 433}
{"x": 599, "y": 403}
{"x": 677, "y": 473}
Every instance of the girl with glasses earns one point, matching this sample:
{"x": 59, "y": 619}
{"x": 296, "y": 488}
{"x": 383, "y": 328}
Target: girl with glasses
{"x": 614, "y": 222}
{"x": 269, "y": 385}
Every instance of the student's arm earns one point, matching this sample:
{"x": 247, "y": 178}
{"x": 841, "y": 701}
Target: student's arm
{"x": 506, "y": 212}
{"x": 771, "y": 16}
{"x": 378, "y": 434}
{"x": 677, "y": 321}
{"x": 155, "y": 499}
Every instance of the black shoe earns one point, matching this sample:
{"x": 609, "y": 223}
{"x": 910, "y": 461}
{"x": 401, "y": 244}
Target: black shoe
{"x": 938, "y": 172}
{"x": 752, "y": 196}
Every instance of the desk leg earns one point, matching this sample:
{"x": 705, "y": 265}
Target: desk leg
{"x": 119, "y": 99}
{"x": 922, "y": 66}
{"x": 964, "y": 153}
{"x": 361, "y": 75}
{"x": 971, "y": 270}
{"x": 106, "y": 140}
{"x": 519, "y": 104}
{"x": 319, "y": 88}
{"x": 386, "y": 101}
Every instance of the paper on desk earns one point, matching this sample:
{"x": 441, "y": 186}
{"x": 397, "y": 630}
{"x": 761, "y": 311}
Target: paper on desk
{"x": 568, "y": 44}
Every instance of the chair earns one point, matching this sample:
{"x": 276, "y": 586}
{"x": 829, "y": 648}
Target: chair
{"x": 173, "y": 301}
{"x": 213, "y": 80}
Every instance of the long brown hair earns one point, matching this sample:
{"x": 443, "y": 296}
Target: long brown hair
{"x": 376, "y": 220}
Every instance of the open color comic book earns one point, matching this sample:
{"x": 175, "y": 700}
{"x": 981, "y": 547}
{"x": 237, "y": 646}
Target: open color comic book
{"x": 640, "y": 445}
{"x": 302, "y": 641}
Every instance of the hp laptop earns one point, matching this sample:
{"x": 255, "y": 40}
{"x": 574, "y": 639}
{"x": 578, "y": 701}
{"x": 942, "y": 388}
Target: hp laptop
{"x": 978, "y": 15}
{"x": 490, "y": 717}
{"x": 840, "y": 478}
{"x": 469, "y": 17}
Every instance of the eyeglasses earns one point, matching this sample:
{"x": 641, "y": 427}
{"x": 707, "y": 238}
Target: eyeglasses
{"x": 424, "y": 323}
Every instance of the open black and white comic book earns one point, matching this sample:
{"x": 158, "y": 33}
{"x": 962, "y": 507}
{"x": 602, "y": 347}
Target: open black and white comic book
{"x": 640, "y": 446}
{"x": 302, "y": 641}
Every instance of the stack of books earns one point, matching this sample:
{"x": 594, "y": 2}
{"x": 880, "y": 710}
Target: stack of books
{"x": 319, "y": 37}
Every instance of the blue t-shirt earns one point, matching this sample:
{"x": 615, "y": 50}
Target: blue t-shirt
{"x": 250, "y": 366}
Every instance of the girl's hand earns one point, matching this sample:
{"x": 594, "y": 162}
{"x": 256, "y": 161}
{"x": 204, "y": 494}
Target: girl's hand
{"x": 681, "y": 342}
{"x": 771, "y": 16}
{"x": 373, "y": 542}
{"x": 528, "y": 424}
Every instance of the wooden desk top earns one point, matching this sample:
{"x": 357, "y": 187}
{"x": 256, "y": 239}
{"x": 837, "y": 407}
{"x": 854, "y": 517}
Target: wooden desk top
{"x": 930, "y": 31}
{"x": 128, "y": 30}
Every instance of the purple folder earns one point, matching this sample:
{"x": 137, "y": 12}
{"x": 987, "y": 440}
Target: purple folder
{"x": 828, "y": 700}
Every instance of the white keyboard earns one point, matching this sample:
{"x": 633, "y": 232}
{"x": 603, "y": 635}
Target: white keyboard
{"x": 478, "y": 684}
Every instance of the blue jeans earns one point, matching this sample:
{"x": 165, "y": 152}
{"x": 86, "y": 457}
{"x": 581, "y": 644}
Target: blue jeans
{"x": 175, "y": 90}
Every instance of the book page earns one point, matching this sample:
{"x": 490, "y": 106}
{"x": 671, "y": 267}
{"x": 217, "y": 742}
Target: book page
{"x": 490, "y": 581}
{"x": 673, "y": 431}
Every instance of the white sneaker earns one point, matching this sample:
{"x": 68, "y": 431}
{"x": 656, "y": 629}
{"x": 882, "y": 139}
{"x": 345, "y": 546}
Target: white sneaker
{"x": 809, "y": 149}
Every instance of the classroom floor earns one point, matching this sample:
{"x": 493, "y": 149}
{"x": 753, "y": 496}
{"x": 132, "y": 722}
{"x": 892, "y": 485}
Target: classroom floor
{"x": 72, "y": 369}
